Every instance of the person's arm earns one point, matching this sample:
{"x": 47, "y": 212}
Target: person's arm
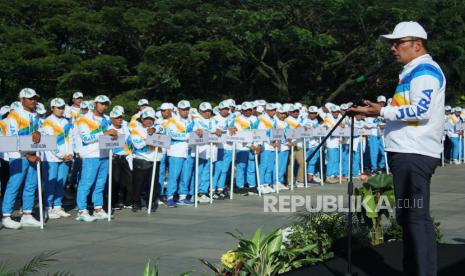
{"x": 423, "y": 91}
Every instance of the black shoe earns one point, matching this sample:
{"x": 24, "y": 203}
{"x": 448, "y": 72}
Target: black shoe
{"x": 239, "y": 190}
{"x": 119, "y": 206}
{"x": 136, "y": 208}
{"x": 245, "y": 191}
{"x": 253, "y": 191}
{"x": 163, "y": 198}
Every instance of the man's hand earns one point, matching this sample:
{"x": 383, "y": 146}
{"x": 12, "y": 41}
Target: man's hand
{"x": 218, "y": 132}
{"x": 68, "y": 157}
{"x": 199, "y": 132}
{"x": 150, "y": 131}
{"x": 112, "y": 132}
{"x": 232, "y": 130}
{"x": 36, "y": 137}
{"x": 34, "y": 159}
{"x": 370, "y": 109}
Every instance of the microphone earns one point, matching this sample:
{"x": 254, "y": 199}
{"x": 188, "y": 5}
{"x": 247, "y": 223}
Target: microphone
{"x": 374, "y": 69}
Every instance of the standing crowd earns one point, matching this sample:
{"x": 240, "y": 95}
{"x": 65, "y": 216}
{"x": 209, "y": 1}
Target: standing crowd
{"x": 79, "y": 164}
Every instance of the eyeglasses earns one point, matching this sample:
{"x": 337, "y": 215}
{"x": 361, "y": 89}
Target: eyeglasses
{"x": 397, "y": 43}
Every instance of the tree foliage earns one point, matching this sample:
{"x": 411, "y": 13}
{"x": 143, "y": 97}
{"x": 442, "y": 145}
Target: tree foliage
{"x": 171, "y": 49}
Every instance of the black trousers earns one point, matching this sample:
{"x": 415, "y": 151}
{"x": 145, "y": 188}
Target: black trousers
{"x": 141, "y": 176}
{"x": 4, "y": 174}
{"x": 412, "y": 177}
{"x": 121, "y": 178}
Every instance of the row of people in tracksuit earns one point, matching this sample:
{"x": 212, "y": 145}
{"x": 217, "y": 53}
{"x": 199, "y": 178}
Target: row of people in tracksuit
{"x": 454, "y": 144}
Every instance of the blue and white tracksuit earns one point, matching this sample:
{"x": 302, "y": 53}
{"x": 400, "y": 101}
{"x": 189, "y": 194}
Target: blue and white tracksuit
{"x": 332, "y": 146}
{"x": 224, "y": 157}
{"x": 312, "y": 144}
{"x": 94, "y": 160}
{"x": 283, "y": 154}
{"x": 245, "y": 159}
{"x": 375, "y": 143}
{"x": 55, "y": 170}
{"x": 178, "y": 128}
{"x": 453, "y": 134}
{"x": 20, "y": 122}
{"x": 267, "y": 155}
{"x": 209, "y": 126}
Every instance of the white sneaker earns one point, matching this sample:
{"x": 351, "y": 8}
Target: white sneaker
{"x": 29, "y": 221}
{"x": 299, "y": 184}
{"x": 85, "y": 216}
{"x": 316, "y": 179}
{"x": 271, "y": 189}
{"x": 100, "y": 214}
{"x": 61, "y": 212}
{"x": 10, "y": 224}
{"x": 264, "y": 189}
{"x": 52, "y": 214}
{"x": 203, "y": 199}
{"x": 282, "y": 187}
{"x": 456, "y": 162}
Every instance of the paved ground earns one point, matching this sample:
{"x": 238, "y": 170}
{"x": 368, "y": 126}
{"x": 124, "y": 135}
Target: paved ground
{"x": 179, "y": 237}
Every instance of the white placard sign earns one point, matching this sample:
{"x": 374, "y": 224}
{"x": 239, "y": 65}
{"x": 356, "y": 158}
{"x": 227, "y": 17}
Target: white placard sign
{"x": 158, "y": 140}
{"x": 342, "y": 132}
{"x": 195, "y": 139}
{"x": 240, "y": 137}
{"x": 8, "y": 143}
{"x": 213, "y": 138}
{"x": 361, "y": 131}
{"x": 259, "y": 135}
{"x": 105, "y": 142}
{"x": 276, "y": 134}
{"x": 47, "y": 143}
{"x": 295, "y": 133}
{"x": 321, "y": 131}
{"x": 308, "y": 133}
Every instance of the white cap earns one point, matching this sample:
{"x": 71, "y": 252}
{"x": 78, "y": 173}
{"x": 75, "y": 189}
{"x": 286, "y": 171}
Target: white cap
{"x": 205, "y": 106}
{"x": 102, "y": 99}
{"x": 298, "y": 105}
{"x": 15, "y": 105}
{"x": 260, "y": 109}
{"x": 119, "y": 108}
{"x": 194, "y": 111}
{"x": 281, "y": 109}
{"x": 238, "y": 107}
{"x": 223, "y": 104}
{"x": 84, "y": 105}
{"x": 57, "y": 102}
{"x": 381, "y": 99}
{"x": 158, "y": 114}
{"x": 304, "y": 108}
{"x": 115, "y": 113}
{"x": 270, "y": 106}
{"x": 166, "y": 106}
{"x": 4, "y": 110}
{"x": 292, "y": 107}
{"x": 328, "y": 105}
{"x": 28, "y": 93}
{"x": 312, "y": 109}
{"x": 334, "y": 108}
{"x": 77, "y": 95}
{"x": 142, "y": 102}
{"x": 405, "y": 29}
{"x": 148, "y": 112}
{"x": 448, "y": 108}
{"x": 260, "y": 102}
{"x": 247, "y": 105}
{"x": 184, "y": 104}
{"x": 344, "y": 106}
{"x": 277, "y": 105}
{"x": 40, "y": 109}
{"x": 458, "y": 109}
{"x": 91, "y": 105}
{"x": 231, "y": 102}
{"x": 216, "y": 110}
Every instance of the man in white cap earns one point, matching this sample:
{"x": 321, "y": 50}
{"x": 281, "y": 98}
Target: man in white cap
{"x": 454, "y": 134}
{"x": 76, "y": 106}
{"x": 224, "y": 158}
{"x": 22, "y": 121}
{"x": 413, "y": 134}
{"x": 332, "y": 145}
{"x": 141, "y": 104}
{"x": 94, "y": 161}
{"x": 179, "y": 127}
{"x": 312, "y": 122}
{"x": 166, "y": 113}
{"x": 294, "y": 120}
{"x": 267, "y": 122}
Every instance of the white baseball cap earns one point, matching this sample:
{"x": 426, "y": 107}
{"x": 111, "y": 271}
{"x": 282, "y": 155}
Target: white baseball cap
{"x": 4, "y": 110}
{"x": 458, "y": 109}
{"x": 143, "y": 102}
{"x": 334, "y": 108}
{"x": 260, "y": 102}
{"x": 40, "y": 109}
{"x": 312, "y": 109}
{"x": 58, "y": 102}
{"x": 292, "y": 107}
{"x": 28, "y": 93}
{"x": 247, "y": 105}
{"x": 148, "y": 112}
{"x": 166, "y": 106}
{"x": 344, "y": 106}
{"x": 216, "y": 110}
{"x": 281, "y": 109}
{"x": 381, "y": 99}
{"x": 119, "y": 107}
{"x": 231, "y": 102}
{"x": 405, "y": 29}
{"x": 184, "y": 104}
{"x": 238, "y": 107}
{"x": 205, "y": 106}
{"x": 115, "y": 113}
{"x": 328, "y": 105}
{"x": 270, "y": 106}
{"x": 298, "y": 105}
{"x": 260, "y": 109}
{"x": 223, "y": 105}
{"x": 277, "y": 105}
{"x": 102, "y": 99}
{"x": 84, "y": 105}
{"x": 448, "y": 108}
{"x": 77, "y": 95}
